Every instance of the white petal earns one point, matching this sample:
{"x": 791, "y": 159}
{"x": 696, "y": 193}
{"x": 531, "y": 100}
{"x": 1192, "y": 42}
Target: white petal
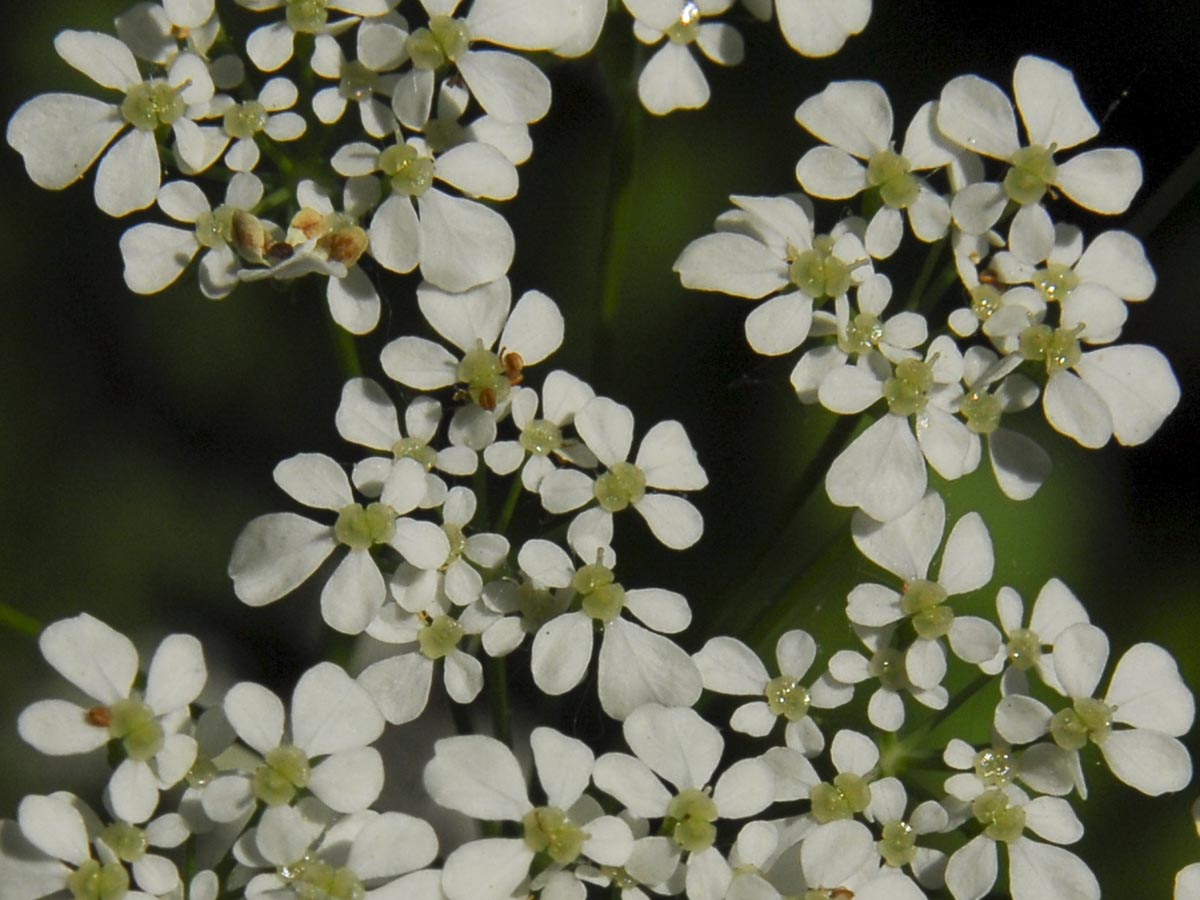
{"x": 674, "y": 521}
{"x": 1036, "y": 869}
{"x": 1117, "y": 260}
{"x": 478, "y": 776}
{"x": 332, "y": 712}
{"x": 129, "y": 175}
{"x": 155, "y": 255}
{"x": 1050, "y": 104}
{"x": 732, "y": 264}
{"x": 728, "y": 666}
{"x": 1103, "y": 181}
{"x": 177, "y": 674}
{"x": 744, "y": 789}
{"x": 353, "y": 594}
{"x": 1147, "y": 691}
{"x": 256, "y": 714}
{"x": 564, "y": 765}
{"x": 489, "y": 869}
{"x": 419, "y": 363}
{"x": 975, "y": 114}
{"x": 668, "y": 461}
{"x": 632, "y": 783}
{"x": 820, "y": 27}
{"x": 852, "y": 115}
{"x": 1020, "y": 464}
{"x": 882, "y": 472}
{"x": 968, "y": 559}
{"x": 672, "y": 80}
{"x": 534, "y": 329}
{"x": 353, "y": 301}
{"x": 399, "y": 686}
{"x": 972, "y": 869}
{"x": 315, "y": 480}
{"x": 95, "y": 658}
{"x": 562, "y": 650}
{"x": 1148, "y": 761}
{"x": 101, "y": 57}
{"x": 507, "y": 86}
{"x": 779, "y": 325}
{"x": 1077, "y": 410}
{"x": 275, "y": 554}
{"x": 348, "y": 781}
{"x": 270, "y": 46}
{"x": 390, "y": 844}
{"x": 54, "y": 826}
{"x": 905, "y": 545}
{"x": 61, "y": 135}
{"x": 1137, "y": 385}
{"x": 661, "y": 610}
{"x": 675, "y": 742}
{"x": 478, "y": 170}
{"x": 637, "y": 666}
{"x": 59, "y": 728}
{"x": 463, "y": 244}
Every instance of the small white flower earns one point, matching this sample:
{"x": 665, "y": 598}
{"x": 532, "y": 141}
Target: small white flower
{"x": 767, "y": 247}
{"x": 367, "y": 80}
{"x": 730, "y": 667}
{"x": 976, "y": 115}
{"x": 1146, "y": 693}
{"x": 855, "y": 117}
{"x": 885, "y": 710}
{"x": 61, "y": 135}
{"x": 271, "y": 46}
{"x": 267, "y": 114}
{"x": 473, "y": 322}
{"x": 665, "y": 460}
{"x": 156, "y": 255}
{"x": 1030, "y": 647}
{"x": 898, "y": 844}
{"x": 1043, "y": 767}
{"x": 480, "y": 777}
{"x": 103, "y": 663}
{"x": 277, "y": 552}
{"x": 671, "y": 79}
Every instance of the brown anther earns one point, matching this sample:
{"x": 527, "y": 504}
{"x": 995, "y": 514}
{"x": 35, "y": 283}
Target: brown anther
{"x": 279, "y": 251}
{"x": 987, "y": 276}
{"x": 345, "y": 245}
{"x": 513, "y": 367}
{"x": 309, "y": 223}
{"x": 99, "y": 716}
{"x": 487, "y": 399}
{"x": 841, "y": 893}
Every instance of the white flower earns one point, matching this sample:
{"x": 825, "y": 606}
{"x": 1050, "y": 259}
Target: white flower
{"x": 882, "y": 472}
{"x": 898, "y": 846}
{"x": 480, "y": 776}
{"x": 1036, "y": 871}
{"x": 61, "y": 135}
{"x": 324, "y": 751}
{"x": 277, "y": 552}
{"x": 1043, "y": 767}
{"x": 266, "y": 114}
{"x": 473, "y": 322}
{"x": 671, "y": 79}
{"x": 675, "y": 744}
{"x": 508, "y": 87}
{"x": 400, "y": 684}
{"x": 885, "y": 709}
{"x": 905, "y": 546}
{"x": 730, "y": 667}
{"x": 665, "y": 460}
{"x": 156, "y": 255}
{"x": 367, "y": 80}
{"x": 855, "y": 117}
{"x": 817, "y": 27}
{"x": 459, "y": 243}
{"x": 767, "y": 246}
{"x": 323, "y": 241}
{"x": 1031, "y": 646}
{"x": 563, "y": 395}
{"x": 271, "y": 46}
{"x": 635, "y": 665}
{"x": 976, "y": 114}
{"x": 103, "y": 663}
{"x": 158, "y": 33}
{"x": 1145, "y": 693}
{"x": 306, "y": 853}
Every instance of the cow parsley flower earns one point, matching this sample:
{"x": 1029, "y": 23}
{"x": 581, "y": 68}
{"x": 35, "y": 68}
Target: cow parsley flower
{"x": 267, "y": 114}
{"x": 886, "y": 664}
{"x": 148, "y": 723}
{"x": 368, "y": 80}
{"x": 480, "y": 777}
{"x": 271, "y": 46}
{"x": 61, "y": 135}
{"x": 1030, "y": 647}
{"x": 276, "y": 553}
{"x": 1145, "y": 693}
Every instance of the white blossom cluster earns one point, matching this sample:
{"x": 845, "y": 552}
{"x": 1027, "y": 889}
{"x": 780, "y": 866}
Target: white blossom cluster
{"x": 248, "y": 797}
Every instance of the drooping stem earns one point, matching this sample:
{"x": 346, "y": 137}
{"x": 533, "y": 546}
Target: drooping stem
{"x": 18, "y": 621}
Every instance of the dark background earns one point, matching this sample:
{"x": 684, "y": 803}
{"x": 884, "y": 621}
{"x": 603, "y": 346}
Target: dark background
{"x": 139, "y": 433}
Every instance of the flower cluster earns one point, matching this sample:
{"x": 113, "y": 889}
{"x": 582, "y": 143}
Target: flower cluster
{"x": 227, "y": 792}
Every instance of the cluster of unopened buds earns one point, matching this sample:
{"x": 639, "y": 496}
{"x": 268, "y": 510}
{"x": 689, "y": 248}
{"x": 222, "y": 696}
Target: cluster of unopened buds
{"x": 221, "y": 791}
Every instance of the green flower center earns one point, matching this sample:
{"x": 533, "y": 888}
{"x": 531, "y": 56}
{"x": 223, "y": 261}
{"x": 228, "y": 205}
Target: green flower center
{"x": 985, "y": 300}
{"x": 620, "y": 486}
{"x": 128, "y": 842}
{"x": 982, "y": 411}
{"x": 603, "y": 597}
{"x": 995, "y": 768}
{"x": 133, "y": 723}
{"x": 458, "y": 541}
{"x": 1032, "y": 172}
{"x": 687, "y": 28}
{"x": 1085, "y": 719}
{"x": 907, "y": 391}
{"x": 445, "y": 40}
{"x": 284, "y": 771}
{"x": 549, "y": 831}
{"x": 818, "y": 273}
{"x": 541, "y": 437}
{"x": 357, "y": 81}
{"x": 690, "y": 817}
{"x": 863, "y": 333}
{"x": 315, "y": 879}
{"x": 1024, "y": 649}
{"x": 215, "y": 229}
{"x": 245, "y": 120}
{"x": 538, "y": 606}
{"x": 415, "y": 448}
{"x": 410, "y": 173}
{"x": 307, "y": 16}
{"x": 922, "y": 600}
{"x": 892, "y": 175}
{"x": 1001, "y": 820}
{"x": 93, "y": 881}
{"x": 361, "y": 528}
{"x": 153, "y": 103}
{"x": 203, "y": 771}
{"x": 1058, "y": 348}
{"x": 899, "y": 845}
{"x": 787, "y": 697}
{"x": 440, "y": 637}
{"x": 888, "y": 666}
{"x": 483, "y": 374}
{"x": 1055, "y": 282}
{"x": 847, "y": 795}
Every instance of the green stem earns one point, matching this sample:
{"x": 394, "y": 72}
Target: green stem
{"x": 481, "y": 495}
{"x": 501, "y": 709}
{"x": 510, "y": 505}
{"x": 461, "y": 717}
{"x": 956, "y": 703}
{"x": 346, "y": 351}
{"x": 926, "y": 274}
{"x": 19, "y": 621}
